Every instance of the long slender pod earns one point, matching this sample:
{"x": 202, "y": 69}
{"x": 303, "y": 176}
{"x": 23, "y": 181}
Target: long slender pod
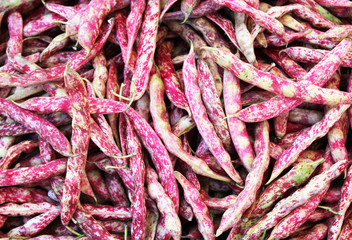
{"x": 280, "y": 104}
{"x": 112, "y": 87}
{"x": 259, "y": 17}
{"x": 158, "y": 153}
{"x": 191, "y": 37}
{"x": 306, "y": 138}
{"x": 146, "y": 49}
{"x": 32, "y": 121}
{"x": 298, "y": 198}
{"x": 226, "y": 25}
{"x": 276, "y": 84}
{"x": 238, "y": 131}
{"x": 244, "y": 37}
{"x": 133, "y": 23}
{"x": 164, "y": 203}
{"x": 213, "y": 105}
{"x": 80, "y": 139}
{"x": 163, "y": 129}
{"x": 337, "y": 133}
{"x": 209, "y": 32}
{"x": 297, "y": 217}
{"x": 19, "y": 176}
{"x": 254, "y": 179}
{"x": 298, "y": 175}
{"x": 35, "y": 224}
{"x": 199, "y": 114}
{"x": 138, "y": 207}
{"x": 200, "y": 210}
{"x": 344, "y": 202}
{"x": 308, "y": 55}
{"x": 172, "y": 84}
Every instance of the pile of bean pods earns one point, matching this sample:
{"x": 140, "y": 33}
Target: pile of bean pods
{"x": 166, "y": 119}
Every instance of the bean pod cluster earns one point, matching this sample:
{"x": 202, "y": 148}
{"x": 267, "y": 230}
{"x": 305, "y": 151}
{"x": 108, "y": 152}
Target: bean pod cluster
{"x": 166, "y": 119}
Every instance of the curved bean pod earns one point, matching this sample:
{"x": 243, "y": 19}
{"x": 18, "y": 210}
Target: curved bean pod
{"x": 306, "y": 138}
{"x": 133, "y": 23}
{"x": 146, "y": 50}
{"x": 199, "y": 114}
{"x": 245, "y": 199}
{"x": 239, "y": 135}
{"x": 35, "y": 224}
{"x": 172, "y": 85}
{"x": 276, "y": 84}
{"x": 78, "y": 96}
{"x": 164, "y": 203}
{"x": 276, "y": 106}
{"x": 259, "y": 17}
{"x": 163, "y": 129}
{"x": 32, "y": 121}
{"x": 200, "y": 210}
{"x": 158, "y": 153}
{"x": 298, "y": 198}
{"x": 213, "y": 105}
{"x": 18, "y": 176}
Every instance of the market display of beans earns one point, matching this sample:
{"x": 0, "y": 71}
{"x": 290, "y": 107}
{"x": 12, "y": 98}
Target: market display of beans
{"x": 166, "y": 119}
